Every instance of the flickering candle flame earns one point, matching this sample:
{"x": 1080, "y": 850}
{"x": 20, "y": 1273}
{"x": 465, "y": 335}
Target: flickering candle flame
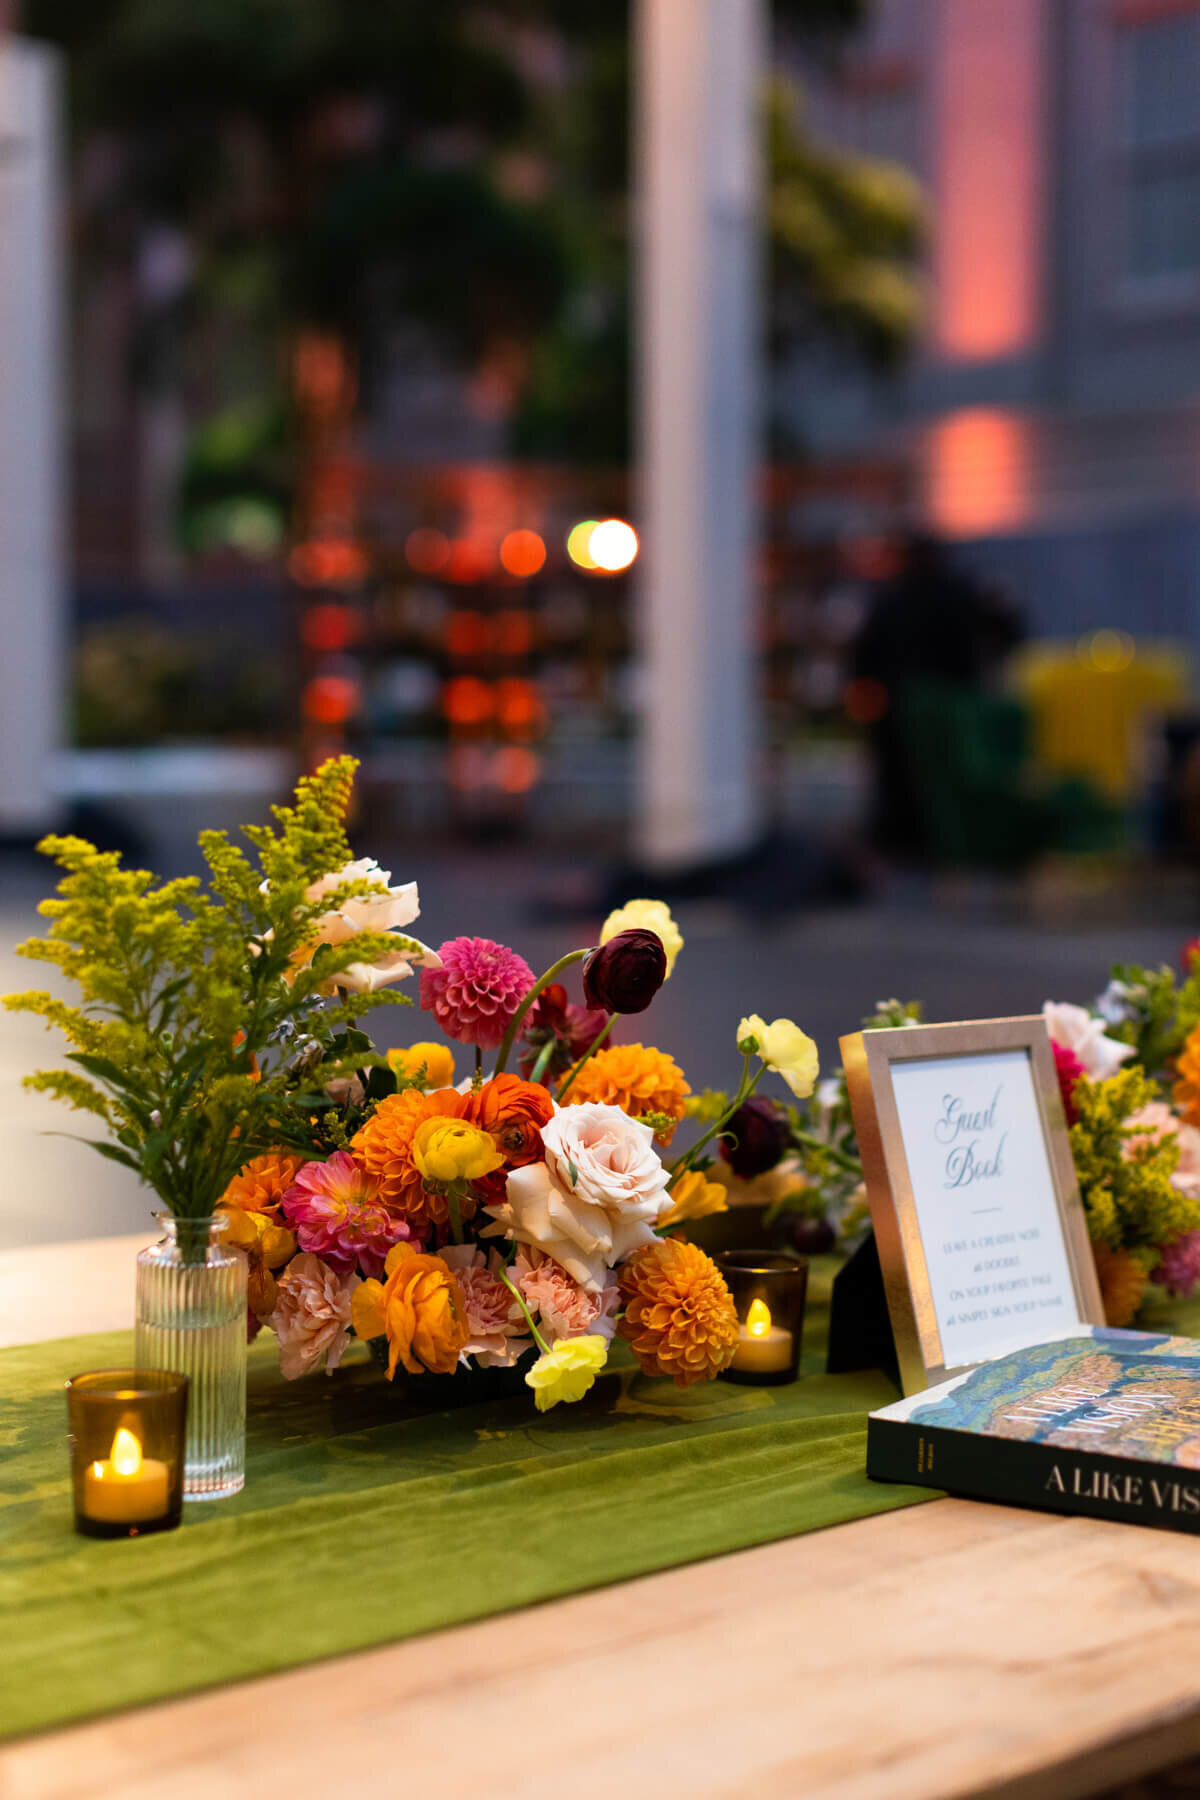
{"x": 758, "y": 1319}
{"x": 126, "y": 1453}
{"x": 126, "y": 1488}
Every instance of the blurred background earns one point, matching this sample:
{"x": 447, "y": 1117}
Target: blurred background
{"x": 747, "y": 453}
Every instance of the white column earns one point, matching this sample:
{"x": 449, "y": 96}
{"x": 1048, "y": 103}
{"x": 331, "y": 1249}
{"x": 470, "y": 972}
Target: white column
{"x": 697, "y": 156}
{"x": 32, "y": 512}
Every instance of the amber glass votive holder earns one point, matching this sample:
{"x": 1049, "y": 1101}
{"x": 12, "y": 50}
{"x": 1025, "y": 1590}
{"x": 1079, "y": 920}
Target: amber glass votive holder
{"x": 127, "y": 1430}
{"x": 769, "y": 1288}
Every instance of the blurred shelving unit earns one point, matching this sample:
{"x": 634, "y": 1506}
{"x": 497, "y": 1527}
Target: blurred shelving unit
{"x": 458, "y": 634}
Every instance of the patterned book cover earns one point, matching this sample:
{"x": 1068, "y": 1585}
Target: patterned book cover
{"x": 1100, "y": 1421}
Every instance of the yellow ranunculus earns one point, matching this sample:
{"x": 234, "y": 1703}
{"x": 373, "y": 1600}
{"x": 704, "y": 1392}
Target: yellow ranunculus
{"x": 436, "y": 1059}
{"x": 694, "y": 1198}
{"x": 259, "y": 1235}
{"x": 567, "y": 1370}
{"x": 784, "y": 1048}
{"x": 452, "y": 1150}
{"x": 646, "y": 915}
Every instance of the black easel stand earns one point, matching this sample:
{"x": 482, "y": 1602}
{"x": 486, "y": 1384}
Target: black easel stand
{"x": 860, "y": 1331}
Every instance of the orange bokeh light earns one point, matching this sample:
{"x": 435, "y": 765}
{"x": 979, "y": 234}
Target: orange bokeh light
{"x": 514, "y": 632}
{"x": 522, "y": 553}
{"x": 520, "y": 708}
{"x": 515, "y": 770}
{"x": 330, "y": 699}
{"x": 327, "y": 562}
{"x": 468, "y": 634}
{"x": 979, "y": 474}
{"x": 467, "y": 701}
{"x": 470, "y": 560}
{"x": 326, "y": 627}
{"x": 427, "y": 550}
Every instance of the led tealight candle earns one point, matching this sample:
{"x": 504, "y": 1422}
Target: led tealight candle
{"x": 126, "y": 1488}
{"x": 763, "y": 1348}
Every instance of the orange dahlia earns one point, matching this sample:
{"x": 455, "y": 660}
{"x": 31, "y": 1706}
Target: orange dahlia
{"x": 384, "y": 1148}
{"x": 1123, "y": 1283}
{"x": 261, "y": 1185}
{"x": 1187, "y": 1083}
{"x": 635, "y": 1077}
{"x": 679, "y": 1315}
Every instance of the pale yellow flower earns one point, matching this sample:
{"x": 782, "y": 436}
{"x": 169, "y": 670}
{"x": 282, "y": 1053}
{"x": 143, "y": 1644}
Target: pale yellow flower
{"x": 566, "y": 1371}
{"x": 646, "y": 915}
{"x": 437, "y": 1060}
{"x": 694, "y": 1197}
{"x": 452, "y": 1150}
{"x": 784, "y": 1048}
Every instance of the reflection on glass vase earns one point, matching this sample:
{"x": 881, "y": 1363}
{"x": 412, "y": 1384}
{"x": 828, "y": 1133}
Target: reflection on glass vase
{"x": 191, "y": 1317}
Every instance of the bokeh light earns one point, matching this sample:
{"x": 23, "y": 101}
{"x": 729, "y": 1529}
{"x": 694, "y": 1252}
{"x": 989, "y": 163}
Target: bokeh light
{"x": 514, "y": 632}
{"x": 522, "y": 554}
{"x": 520, "y": 708}
{"x": 327, "y": 562}
{"x": 865, "y": 700}
{"x": 467, "y": 701}
{"x": 329, "y": 628}
{"x": 330, "y": 699}
{"x": 1108, "y": 651}
{"x": 470, "y": 560}
{"x": 515, "y": 770}
{"x": 613, "y": 545}
{"x": 578, "y": 541}
{"x": 468, "y": 634}
{"x": 427, "y": 550}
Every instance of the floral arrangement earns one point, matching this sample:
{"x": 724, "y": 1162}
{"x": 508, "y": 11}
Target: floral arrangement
{"x": 1129, "y": 1075}
{"x": 516, "y": 1213}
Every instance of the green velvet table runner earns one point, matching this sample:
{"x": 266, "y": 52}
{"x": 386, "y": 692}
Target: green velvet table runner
{"x": 366, "y": 1519}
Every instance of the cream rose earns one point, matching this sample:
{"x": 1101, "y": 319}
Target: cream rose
{"x": 388, "y": 909}
{"x": 1074, "y": 1028}
{"x": 595, "y": 1199}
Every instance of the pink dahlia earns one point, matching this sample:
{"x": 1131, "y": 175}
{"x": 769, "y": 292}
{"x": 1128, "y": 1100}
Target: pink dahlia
{"x": 1069, "y": 1069}
{"x": 1179, "y": 1270}
{"x": 336, "y": 1212}
{"x": 476, "y": 993}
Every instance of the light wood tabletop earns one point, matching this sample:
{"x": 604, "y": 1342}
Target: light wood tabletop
{"x": 954, "y": 1649}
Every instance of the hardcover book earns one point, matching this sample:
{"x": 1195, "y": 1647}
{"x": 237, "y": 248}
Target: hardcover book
{"x": 1097, "y": 1421}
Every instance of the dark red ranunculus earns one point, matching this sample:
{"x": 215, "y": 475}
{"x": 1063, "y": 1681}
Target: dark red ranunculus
{"x": 1190, "y": 950}
{"x": 759, "y": 1135}
{"x": 572, "y": 1029}
{"x": 624, "y": 975}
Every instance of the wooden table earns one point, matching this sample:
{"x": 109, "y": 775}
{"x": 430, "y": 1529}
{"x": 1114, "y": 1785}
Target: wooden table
{"x": 954, "y": 1649}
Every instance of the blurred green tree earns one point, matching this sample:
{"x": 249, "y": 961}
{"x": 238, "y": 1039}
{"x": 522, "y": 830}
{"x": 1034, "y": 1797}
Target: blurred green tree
{"x": 274, "y": 166}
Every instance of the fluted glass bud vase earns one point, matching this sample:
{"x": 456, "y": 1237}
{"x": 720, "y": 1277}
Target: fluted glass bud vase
{"x": 191, "y": 1317}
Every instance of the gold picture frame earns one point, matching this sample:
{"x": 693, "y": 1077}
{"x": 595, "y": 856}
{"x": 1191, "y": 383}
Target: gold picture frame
{"x": 869, "y": 1059}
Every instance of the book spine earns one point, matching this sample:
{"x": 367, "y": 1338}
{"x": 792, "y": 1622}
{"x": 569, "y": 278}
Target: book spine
{"x": 1016, "y": 1472}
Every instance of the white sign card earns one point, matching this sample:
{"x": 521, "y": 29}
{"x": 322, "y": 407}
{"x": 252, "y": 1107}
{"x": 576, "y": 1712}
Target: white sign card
{"x": 980, "y": 1230}
{"x": 986, "y": 1207}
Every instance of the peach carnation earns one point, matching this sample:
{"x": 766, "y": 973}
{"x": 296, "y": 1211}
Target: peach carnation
{"x": 566, "y": 1308}
{"x": 384, "y": 1148}
{"x": 635, "y": 1077}
{"x": 312, "y": 1316}
{"x": 679, "y": 1315}
{"x": 494, "y": 1317}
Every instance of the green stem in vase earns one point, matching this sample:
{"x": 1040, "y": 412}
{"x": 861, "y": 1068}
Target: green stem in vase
{"x": 518, "y": 1018}
{"x": 562, "y": 1092}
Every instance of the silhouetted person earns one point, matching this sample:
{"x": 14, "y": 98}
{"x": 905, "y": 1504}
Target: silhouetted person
{"x": 931, "y": 622}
